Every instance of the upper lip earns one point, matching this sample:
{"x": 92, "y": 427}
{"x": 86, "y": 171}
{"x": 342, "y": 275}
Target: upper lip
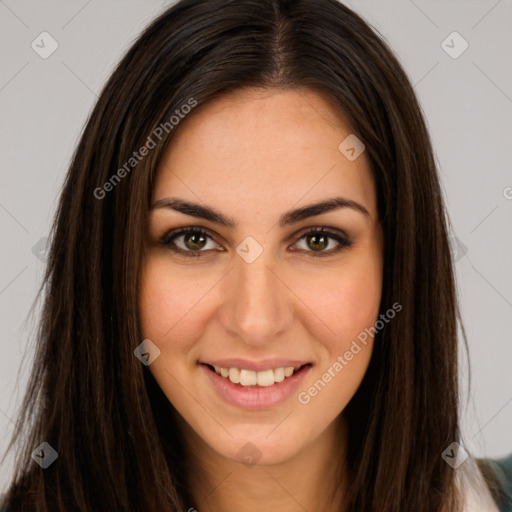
{"x": 256, "y": 366}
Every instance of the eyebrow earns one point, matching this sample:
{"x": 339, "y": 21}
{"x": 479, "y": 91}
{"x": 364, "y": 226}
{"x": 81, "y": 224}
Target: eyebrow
{"x": 288, "y": 218}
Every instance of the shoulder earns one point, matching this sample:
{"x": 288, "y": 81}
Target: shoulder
{"x": 498, "y": 473}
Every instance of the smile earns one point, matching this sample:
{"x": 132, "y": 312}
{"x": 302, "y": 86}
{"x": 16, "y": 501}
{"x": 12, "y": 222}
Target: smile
{"x": 254, "y": 396}
{"x": 263, "y": 378}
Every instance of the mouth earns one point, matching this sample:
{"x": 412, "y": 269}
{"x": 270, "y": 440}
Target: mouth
{"x": 255, "y": 390}
{"x": 244, "y": 378}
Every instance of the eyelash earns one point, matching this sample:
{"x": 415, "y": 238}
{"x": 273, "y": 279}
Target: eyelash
{"x": 168, "y": 241}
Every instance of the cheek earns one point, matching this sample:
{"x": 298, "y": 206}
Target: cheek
{"x": 349, "y": 306}
{"x": 170, "y": 304}
{"x": 346, "y": 300}
{"x": 353, "y": 305}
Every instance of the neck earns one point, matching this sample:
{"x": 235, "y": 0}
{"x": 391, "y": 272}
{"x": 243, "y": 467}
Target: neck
{"x": 313, "y": 479}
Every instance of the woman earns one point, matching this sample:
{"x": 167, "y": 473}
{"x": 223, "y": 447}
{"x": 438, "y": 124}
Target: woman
{"x": 250, "y": 300}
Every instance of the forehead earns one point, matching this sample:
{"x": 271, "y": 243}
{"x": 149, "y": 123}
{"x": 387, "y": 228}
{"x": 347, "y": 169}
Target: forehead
{"x": 264, "y": 148}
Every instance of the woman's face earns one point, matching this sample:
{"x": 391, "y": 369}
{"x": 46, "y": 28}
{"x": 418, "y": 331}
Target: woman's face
{"x": 257, "y": 290}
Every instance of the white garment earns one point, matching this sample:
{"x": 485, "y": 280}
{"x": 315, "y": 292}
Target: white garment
{"x": 474, "y": 488}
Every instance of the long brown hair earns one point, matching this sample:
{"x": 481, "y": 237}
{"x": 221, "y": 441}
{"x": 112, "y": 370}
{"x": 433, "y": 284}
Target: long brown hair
{"x": 97, "y": 405}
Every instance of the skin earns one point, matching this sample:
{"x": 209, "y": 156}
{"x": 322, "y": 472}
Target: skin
{"x": 252, "y": 155}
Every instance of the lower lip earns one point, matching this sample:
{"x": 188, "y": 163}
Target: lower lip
{"x": 256, "y": 397}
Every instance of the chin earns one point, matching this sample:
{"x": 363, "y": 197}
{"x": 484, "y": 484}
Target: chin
{"x": 262, "y": 445}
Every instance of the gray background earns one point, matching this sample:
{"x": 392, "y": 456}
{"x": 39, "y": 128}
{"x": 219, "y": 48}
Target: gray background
{"x": 467, "y": 102}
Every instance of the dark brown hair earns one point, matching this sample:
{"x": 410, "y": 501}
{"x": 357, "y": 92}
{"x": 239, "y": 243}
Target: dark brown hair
{"x": 91, "y": 399}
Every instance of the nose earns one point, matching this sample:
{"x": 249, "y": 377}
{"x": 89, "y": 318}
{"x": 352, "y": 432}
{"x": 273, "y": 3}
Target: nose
{"x": 258, "y": 305}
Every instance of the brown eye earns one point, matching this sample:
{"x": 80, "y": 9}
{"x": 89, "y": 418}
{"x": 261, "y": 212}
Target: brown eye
{"x": 194, "y": 241}
{"x": 189, "y": 241}
{"x": 318, "y": 240}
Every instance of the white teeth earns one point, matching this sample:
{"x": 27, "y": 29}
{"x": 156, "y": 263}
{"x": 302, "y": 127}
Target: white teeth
{"x": 278, "y": 374}
{"x": 288, "y": 371}
{"x": 263, "y": 378}
{"x": 234, "y": 375}
{"x": 247, "y": 378}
